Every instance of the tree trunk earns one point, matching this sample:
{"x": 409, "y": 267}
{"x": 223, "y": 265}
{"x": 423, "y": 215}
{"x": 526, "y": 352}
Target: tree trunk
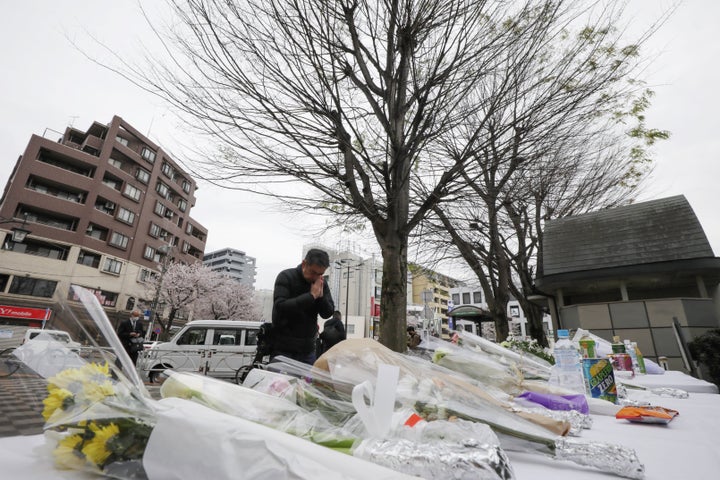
{"x": 393, "y": 305}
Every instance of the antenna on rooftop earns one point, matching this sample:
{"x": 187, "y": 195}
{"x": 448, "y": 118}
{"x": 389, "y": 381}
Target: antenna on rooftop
{"x": 72, "y": 120}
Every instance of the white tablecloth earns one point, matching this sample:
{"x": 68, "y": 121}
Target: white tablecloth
{"x": 675, "y": 379}
{"x": 685, "y": 448}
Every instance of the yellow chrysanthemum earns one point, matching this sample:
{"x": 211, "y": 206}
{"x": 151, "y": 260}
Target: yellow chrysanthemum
{"x": 66, "y": 454}
{"x": 96, "y": 450}
{"x": 54, "y": 400}
{"x": 96, "y": 372}
{"x": 69, "y": 379}
{"x": 96, "y": 392}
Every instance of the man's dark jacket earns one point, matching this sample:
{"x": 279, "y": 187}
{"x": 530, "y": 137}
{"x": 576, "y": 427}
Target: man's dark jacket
{"x": 295, "y": 312}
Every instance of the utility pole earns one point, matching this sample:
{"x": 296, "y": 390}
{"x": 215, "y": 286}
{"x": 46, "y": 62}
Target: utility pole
{"x": 164, "y": 251}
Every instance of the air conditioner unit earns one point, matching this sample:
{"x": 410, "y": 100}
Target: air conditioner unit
{"x": 89, "y": 229}
{"x": 168, "y": 213}
{"x": 109, "y": 205}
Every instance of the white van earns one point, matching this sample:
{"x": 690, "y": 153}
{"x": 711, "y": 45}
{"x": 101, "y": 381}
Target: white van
{"x": 47, "y": 335}
{"x": 217, "y": 348}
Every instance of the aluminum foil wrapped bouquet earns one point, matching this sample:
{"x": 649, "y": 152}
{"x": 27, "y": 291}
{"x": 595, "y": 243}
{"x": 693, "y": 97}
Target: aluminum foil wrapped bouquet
{"x": 439, "y": 394}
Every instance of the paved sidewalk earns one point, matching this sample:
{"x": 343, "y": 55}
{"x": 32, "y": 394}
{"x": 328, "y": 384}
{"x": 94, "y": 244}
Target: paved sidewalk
{"x": 21, "y": 403}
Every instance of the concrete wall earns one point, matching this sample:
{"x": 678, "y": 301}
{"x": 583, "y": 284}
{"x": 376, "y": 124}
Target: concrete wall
{"x": 649, "y": 323}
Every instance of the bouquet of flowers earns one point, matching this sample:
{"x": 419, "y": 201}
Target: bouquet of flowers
{"x": 96, "y": 422}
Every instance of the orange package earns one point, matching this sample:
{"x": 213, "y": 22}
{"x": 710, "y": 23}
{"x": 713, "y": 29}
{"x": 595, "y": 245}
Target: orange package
{"x": 647, "y": 414}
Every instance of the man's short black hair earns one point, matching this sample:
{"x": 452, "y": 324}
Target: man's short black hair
{"x": 315, "y": 256}
{"x": 410, "y": 328}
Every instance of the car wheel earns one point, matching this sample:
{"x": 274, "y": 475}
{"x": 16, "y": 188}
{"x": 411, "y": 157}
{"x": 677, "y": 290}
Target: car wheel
{"x": 157, "y": 372}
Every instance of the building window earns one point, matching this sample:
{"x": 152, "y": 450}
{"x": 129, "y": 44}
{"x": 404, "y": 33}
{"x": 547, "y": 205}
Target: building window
{"x": 122, "y": 140}
{"x": 132, "y": 192}
{"x": 144, "y": 275}
{"x": 88, "y": 258}
{"x": 148, "y": 154}
{"x": 155, "y": 230}
{"x": 3, "y": 281}
{"x": 456, "y": 298}
{"x": 106, "y": 299}
{"x": 126, "y": 216}
{"x": 142, "y": 175}
{"x": 167, "y": 170}
{"x": 160, "y": 209}
{"x": 466, "y": 298}
{"x": 112, "y": 182}
{"x": 33, "y": 287}
{"x": 115, "y": 163}
{"x": 162, "y": 189}
{"x": 97, "y": 232}
{"x": 477, "y": 297}
{"x": 182, "y": 205}
{"x": 37, "y": 248}
{"x": 149, "y": 252}
{"x": 112, "y": 266}
{"x": 186, "y": 186}
{"x": 514, "y": 311}
{"x": 119, "y": 240}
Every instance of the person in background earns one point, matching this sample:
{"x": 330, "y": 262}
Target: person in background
{"x": 131, "y": 334}
{"x": 299, "y": 296}
{"x": 333, "y": 332}
{"x": 413, "y": 339}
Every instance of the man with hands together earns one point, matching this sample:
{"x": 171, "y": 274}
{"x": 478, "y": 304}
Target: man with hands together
{"x": 299, "y": 296}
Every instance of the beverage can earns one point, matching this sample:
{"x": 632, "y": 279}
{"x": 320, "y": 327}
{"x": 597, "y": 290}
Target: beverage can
{"x": 622, "y": 364}
{"x": 600, "y": 378}
{"x": 587, "y": 347}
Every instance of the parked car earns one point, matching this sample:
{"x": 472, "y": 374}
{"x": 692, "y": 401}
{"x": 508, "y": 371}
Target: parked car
{"x": 217, "y": 348}
{"x": 47, "y": 335}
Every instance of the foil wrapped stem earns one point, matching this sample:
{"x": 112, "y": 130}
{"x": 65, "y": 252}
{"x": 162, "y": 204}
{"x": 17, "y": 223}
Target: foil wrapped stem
{"x": 607, "y": 457}
{"x": 577, "y": 420}
{"x": 466, "y": 460}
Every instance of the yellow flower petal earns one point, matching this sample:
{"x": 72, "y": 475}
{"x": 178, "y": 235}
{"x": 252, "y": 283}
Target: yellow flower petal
{"x": 67, "y": 456}
{"x": 54, "y": 400}
{"x": 96, "y": 449}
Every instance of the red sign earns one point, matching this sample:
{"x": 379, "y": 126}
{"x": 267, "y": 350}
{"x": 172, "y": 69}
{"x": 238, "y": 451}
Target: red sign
{"x": 24, "y": 313}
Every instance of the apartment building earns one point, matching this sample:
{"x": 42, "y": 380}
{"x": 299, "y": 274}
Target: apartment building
{"x": 103, "y": 208}
{"x": 234, "y": 264}
{"x": 432, "y": 290}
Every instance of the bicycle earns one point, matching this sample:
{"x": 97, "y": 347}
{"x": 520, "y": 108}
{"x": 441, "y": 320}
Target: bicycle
{"x": 9, "y": 363}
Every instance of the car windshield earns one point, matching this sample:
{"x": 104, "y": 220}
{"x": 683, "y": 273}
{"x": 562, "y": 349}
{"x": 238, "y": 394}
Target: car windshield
{"x": 58, "y": 337}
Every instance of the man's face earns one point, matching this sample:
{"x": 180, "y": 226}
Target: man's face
{"x": 135, "y": 315}
{"x": 312, "y": 272}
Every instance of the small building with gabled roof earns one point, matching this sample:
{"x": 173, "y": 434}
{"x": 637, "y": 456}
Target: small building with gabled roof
{"x": 632, "y": 271}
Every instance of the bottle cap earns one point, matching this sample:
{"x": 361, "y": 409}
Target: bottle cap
{"x": 616, "y": 339}
{"x": 563, "y": 333}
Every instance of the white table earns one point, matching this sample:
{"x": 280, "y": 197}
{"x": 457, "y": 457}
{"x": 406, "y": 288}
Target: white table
{"x": 675, "y": 379}
{"x": 685, "y": 448}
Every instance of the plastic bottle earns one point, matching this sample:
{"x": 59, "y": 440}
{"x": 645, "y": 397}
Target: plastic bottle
{"x": 617, "y": 346}
{"x": 640, "y": 359}
{"x": 567, "y": 371}
{"x": 587, "y": 347}
{"x": 631, "y": 351}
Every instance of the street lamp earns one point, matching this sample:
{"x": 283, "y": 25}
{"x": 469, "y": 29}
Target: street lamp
{"x": 18, "y": 233}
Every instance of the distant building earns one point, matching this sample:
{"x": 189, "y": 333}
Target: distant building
{"x": 473, "y": 295}
{"x": 432, "y": 290}
{"x": 234, "y": 264}
{"x": 103, "y": 208}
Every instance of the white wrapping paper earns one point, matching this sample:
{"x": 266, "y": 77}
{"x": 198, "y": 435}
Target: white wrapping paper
{"x": 191, "y": 441}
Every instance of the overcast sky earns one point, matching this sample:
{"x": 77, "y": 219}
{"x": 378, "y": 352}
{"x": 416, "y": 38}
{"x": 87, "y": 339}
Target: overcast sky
{"x": 48, "y": 84}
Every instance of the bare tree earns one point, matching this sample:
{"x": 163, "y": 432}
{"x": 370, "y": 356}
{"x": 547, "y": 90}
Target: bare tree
{"x": 228, "y": 300}
{"x": 351, "y": 101}
{"x": 573, "y": 139}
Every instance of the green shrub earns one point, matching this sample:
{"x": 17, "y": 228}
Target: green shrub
{"x": 705, "y": 350}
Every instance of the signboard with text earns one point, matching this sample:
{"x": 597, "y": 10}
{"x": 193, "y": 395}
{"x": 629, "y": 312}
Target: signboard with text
{"x": 24, "y": 313}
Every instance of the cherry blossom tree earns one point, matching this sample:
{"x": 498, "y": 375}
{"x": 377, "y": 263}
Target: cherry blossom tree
{"x": 228, "y": 300}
